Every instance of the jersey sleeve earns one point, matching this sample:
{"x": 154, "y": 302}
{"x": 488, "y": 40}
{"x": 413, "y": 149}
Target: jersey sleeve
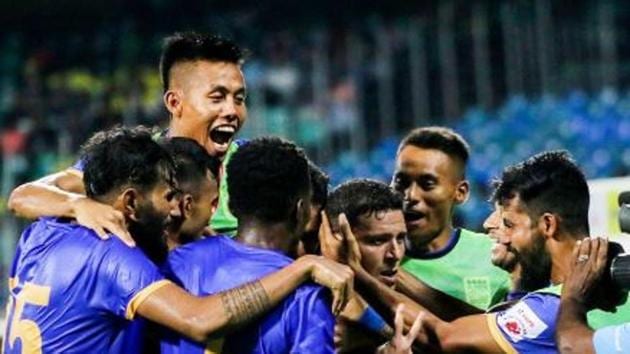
{"x": 528, "y": 326}
{"x": 129, "y": 278}
{"x": 79, "y": 165}
{"x": 311, "y": 322}
{"x": 612, "y": 339}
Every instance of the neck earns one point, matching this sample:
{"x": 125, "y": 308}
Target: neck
{"x": 442, "y": 239}
{"x": 561, "y": 258}
{"x": 274, "y": 236}
{"x": 176, "y": 128}
{"x": 436, "y": 244}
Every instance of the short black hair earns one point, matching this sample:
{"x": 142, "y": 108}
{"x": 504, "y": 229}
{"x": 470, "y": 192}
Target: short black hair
{"x": 192, "y": 162}
{"x": 360, "y": 197}
{"x": 193, "y": 46}
{"x": 438, "y": 138}
{"x": 121, "y": 157}
{"x": 319, "y": 184}
{"x": 266, "y": 177}
{"x": 548, "y": 182}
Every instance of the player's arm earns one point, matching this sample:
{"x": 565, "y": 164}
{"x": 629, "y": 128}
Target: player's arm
{"x": 52, "y": 195}
{"x": 62, "y": 194}
{"x": 440, "y": 304}
{"x": 202, "y": 317}
{"x": 470, "y": 334}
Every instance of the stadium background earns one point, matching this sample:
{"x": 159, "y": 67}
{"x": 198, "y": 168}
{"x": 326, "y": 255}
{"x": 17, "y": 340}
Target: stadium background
{"x": 343, "y": 79}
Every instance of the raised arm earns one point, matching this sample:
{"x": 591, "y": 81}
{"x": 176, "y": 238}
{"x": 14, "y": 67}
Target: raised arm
{"x": 62, "y": 194}
{"x": 202, "y": 317}
{"x": 573, "y": 333}
{"x": 440, "y": 304}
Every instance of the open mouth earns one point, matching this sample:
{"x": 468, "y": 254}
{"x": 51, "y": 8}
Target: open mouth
{"x": 222, "y": 134}
{"x": 221, "y": 137}
{"x": 388, "y": 276}
{"x": 413, "y": 215}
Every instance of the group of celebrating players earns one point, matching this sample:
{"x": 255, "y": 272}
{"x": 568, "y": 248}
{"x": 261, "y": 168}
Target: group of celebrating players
{"x": 285, "y": 266}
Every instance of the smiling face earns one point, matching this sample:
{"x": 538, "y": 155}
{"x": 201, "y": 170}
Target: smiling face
{"x": 525, "y": 245}
{"x": 381, "y": 237}
{"x": 207, "y": 102}
{"x": 432, "y": 184}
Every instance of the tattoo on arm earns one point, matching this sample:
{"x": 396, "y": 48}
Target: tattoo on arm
{"x": 245, "y": 303}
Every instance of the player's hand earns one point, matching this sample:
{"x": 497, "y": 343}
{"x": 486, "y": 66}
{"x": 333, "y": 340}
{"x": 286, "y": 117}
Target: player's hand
{"x": 336, "y": 277}
{"x": 589, "y": 264}
{"x": 330, "y": 243}
{"x": 101, "y": 218}
{"x": 402, "y": 342}
{"x": 353, "y": 253}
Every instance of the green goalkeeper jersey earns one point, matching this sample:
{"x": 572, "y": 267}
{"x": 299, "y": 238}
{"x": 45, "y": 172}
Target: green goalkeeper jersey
{"x": 223, "y": 222}
{"x": 463, "y": 270}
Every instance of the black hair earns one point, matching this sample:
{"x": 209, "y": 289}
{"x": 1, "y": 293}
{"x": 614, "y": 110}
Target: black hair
{"x": 319, "y": 184}
{"x": 359, "y": 197}
{"x": 193, "y": 46}
{"x": 191, "y": 162}
{"x": 121, "y": 157}
{"x": 548, "y": 182}
{"x": 438, "y": 138}
{"x": 266, "y": 177}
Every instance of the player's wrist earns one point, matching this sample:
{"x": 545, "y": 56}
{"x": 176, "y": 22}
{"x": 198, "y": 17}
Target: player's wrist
{"x": 76, "y": 203}
{"x": 304, "y": 266}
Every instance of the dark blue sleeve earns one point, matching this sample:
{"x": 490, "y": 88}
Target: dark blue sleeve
{"x": 79, "y": 165}
{"x": 129, "y": 276}
{"x": 310, "y": 321}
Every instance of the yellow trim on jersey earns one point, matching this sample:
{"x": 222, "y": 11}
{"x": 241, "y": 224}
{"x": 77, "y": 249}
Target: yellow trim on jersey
{"x": 141, "y": 295}
{"x": 498, "y": 336}
{"x": 214, "y": 346}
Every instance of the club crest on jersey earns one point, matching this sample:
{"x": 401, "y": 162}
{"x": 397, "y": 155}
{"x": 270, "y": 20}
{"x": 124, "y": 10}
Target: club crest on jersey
{"x": 477, "y": 291}
{"x": 520, "y": 322}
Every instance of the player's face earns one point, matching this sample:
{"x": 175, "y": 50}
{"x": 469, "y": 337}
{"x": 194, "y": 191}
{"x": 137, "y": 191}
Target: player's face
{"x": 503, "y": 255}
{"x": 156, "y": 210}
{"x": 202, "y": 208}
{"x": 213, "y": 104}
{"x": 381, "y": 238}
{"x": 429, "y": 180}
{"x": 521, "y": 234}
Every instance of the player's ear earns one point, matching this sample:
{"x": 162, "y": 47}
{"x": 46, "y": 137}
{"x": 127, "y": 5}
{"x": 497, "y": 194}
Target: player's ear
{"x": 462, "y": 191}
{"x": 128, "y": 201}
{"x": 548, "y": 225}
{"x": 173, "y": 102}
{"x": 187, "y": 205}
{"x": 302, "y": 212}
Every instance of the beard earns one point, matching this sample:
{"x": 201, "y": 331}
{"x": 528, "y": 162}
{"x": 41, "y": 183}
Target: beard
{"x": 149, "y": 233}
{"x": 535, "y": 266}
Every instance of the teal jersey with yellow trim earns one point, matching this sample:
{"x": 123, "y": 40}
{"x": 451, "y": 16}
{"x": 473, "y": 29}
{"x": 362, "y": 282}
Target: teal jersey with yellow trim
{"x": 71, "y": 292}
{"x": 463, "y": 270}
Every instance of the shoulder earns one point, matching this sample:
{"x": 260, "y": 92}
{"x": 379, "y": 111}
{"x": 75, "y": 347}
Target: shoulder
{"x": 199, "y": 253}
{"x": 530, "y": 317}
{"x": 477, "y": 239}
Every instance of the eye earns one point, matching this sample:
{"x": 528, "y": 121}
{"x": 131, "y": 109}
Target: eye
{"x": 400, "y": 183}
{"x": 239, "y": 99}
{"x": 216, "y": 97}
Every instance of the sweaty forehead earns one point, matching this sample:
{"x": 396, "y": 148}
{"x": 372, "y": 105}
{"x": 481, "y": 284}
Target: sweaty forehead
{"x": 381, "y": 222}
{"x": 414, "y": 161}
{"x": 206, "y": 73}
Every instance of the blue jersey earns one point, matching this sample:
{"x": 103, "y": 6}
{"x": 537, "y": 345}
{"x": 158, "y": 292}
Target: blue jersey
{"x": 72, "y": 292}
{"x": 529, "y": 326}
{"x": 612, "y": 339}
{"x": 301, "y": 323}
